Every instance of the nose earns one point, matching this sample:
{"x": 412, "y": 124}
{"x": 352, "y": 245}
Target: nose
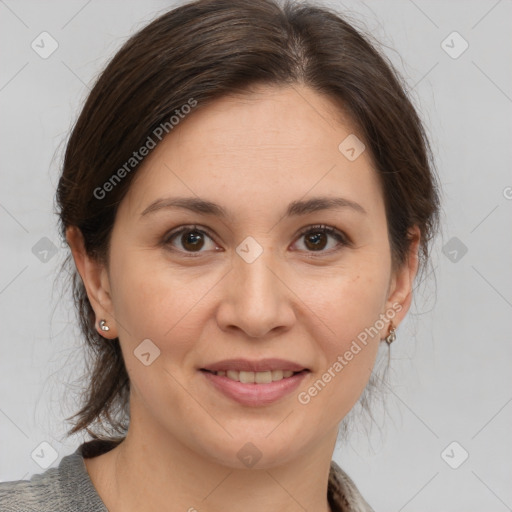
{"x": 256, "y": 298}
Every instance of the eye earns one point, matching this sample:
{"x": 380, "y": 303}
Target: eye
{"x": 317, "y": 238}
{"x": 192, "y": 239}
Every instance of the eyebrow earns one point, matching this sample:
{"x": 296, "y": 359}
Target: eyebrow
{"x": 295, "y": 208}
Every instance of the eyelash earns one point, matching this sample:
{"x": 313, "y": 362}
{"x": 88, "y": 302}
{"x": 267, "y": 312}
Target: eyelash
{"x": 318, "y": 228}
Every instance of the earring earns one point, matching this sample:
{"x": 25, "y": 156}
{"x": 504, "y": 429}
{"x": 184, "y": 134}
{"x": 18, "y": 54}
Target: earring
{"x": 391, "y": 335}
{"x": 104, "y": 326}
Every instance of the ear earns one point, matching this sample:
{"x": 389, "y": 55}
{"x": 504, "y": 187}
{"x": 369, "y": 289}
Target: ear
{"x": 401, "y": 285}
{"x": 96, "y": 281}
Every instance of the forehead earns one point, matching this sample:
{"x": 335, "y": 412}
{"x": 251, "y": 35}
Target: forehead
{"x": 249, "y": 151}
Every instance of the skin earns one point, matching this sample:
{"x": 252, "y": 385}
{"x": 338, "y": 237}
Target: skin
{"x": 253, "y": 155}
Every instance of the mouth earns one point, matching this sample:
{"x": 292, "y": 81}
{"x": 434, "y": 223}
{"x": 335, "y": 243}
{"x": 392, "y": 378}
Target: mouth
{"x": 248, "y": 377}
{"x": 262, "y": 371}
{"x": 257, "y": 382}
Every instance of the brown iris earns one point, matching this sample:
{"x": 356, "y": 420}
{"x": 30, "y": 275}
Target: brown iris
{"x": 192, "y": 240}
{"x": 315, "y": 240}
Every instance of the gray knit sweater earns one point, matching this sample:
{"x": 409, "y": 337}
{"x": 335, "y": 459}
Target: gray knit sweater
{"x": 68, "y": 487}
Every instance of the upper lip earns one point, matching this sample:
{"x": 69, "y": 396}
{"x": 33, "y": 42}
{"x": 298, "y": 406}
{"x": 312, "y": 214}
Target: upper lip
{"x": 261, "y": 365}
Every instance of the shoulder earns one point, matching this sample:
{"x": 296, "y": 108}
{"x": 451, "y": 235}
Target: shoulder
{"x": 66, "y": 488}
{"x": 39, "y": 493}
{"x": 344, "y": 496}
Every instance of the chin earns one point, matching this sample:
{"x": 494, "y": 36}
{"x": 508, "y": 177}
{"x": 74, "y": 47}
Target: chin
{"x": 257, "y": 449}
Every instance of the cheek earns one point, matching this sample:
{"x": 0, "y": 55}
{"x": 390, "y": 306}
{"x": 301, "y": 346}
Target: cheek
{"x": 348, "y": 301}
{"x": 156, "y": 300}
{"x": 349, "y": 309}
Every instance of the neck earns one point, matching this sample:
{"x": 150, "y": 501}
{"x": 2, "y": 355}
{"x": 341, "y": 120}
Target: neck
{"x": 150, "y": 471}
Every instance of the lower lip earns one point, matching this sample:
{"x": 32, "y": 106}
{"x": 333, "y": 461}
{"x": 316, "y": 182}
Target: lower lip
{"x": 255, "y": 394}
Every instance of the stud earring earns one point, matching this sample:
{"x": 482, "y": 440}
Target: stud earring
{"x": 104, "y": 326}
{"x": 391, "y": 334}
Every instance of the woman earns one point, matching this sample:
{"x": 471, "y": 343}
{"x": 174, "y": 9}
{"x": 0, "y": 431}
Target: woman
{"x": 248, "y": 197}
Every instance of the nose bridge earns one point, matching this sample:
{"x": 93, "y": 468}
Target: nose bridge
{"x": 257, "y": 299}
{"x": 255, "y": 267}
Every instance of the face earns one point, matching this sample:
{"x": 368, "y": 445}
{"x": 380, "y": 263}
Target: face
{"x": 274, "y": 276}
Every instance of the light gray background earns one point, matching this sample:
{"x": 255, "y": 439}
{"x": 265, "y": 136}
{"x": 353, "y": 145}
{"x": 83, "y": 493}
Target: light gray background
{"x": 451, "y": 361}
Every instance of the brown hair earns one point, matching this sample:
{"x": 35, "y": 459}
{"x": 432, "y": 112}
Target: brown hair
{"x": 202, "y": 51}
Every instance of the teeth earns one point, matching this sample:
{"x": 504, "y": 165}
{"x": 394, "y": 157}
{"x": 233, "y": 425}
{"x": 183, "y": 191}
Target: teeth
{"x": 256, "y": 377}
{"x": 262, "y": 377}
{"x": 246, "y": 377}
{"x": 231, "y": 374}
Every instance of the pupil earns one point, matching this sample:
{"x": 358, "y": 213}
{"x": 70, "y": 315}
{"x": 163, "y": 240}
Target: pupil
{"x": 317, "y": 242}
{"x": 192, "y": 238}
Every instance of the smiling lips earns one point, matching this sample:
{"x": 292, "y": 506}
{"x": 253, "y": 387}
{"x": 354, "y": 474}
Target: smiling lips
{"x": 263, "y": 365}
{"x": 255, "y": 377}
{"x": 255, "y": 382}
{"x": 263, "y": 371}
